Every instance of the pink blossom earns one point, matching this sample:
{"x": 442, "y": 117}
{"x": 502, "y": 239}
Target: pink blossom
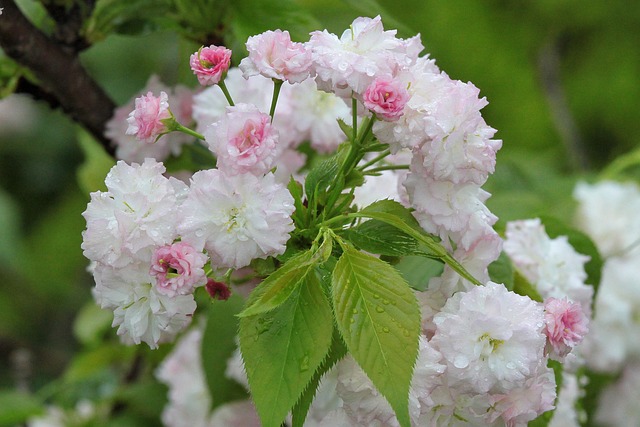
{"x": 178, "y": 268}
{"x": 146, "y": 120}
{"x": 565, "y": 326}
{"x": 243, "y": 140}
{"x": 386, "y": 98}
{"x": 273, "y": 55}
{"x": 210, "y": 64}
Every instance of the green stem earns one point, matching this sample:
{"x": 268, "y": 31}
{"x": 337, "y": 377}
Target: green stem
{"x": 184, "y": 129}
{"x": 277, "y": 85}
{"x": 376, "y": 159}
{"x": 386, "y": 168}
{"x": 223, "y": 87}
{"x": 354, "y": 118}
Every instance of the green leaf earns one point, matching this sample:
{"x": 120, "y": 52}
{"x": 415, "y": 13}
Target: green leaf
{"x": 418, "y": 270}
{"x": 501, "y": 271}
{"x": 379, "y": 319}
{"x": 320, "y": 176}
{"x": 91, "y": 323}
{"x": 395, "y": 214}
{"x": 283, "y": 348}
{"x": 218, "y": 344}
{"x": 337, "y": 351}
{"x": 381, "y": 238}
{"x": 295, "y": 188}
{"x": 522, "y": 286}
{"x": 278, "y": 287}
{"x": 581, "y": 243}
{"x": 16, "y": 407}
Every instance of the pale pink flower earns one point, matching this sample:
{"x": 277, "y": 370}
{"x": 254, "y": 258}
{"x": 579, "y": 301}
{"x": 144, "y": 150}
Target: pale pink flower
{"x": 243, "y": 140}
{"x": 273, "y": 55}
{"x": 141, "y": 313}
{"x": 236, "y": 218}
{"x": 491, "y": 339}
{"x": 350, "y": 63}
{"x": 210, "y": 64}
{"x": 178, "y": 268}
{"x": 136, "y": 215}
{"x": 565, "y": 326}
{"x": 146, "y": 120}
{"x": 386, "y": 97}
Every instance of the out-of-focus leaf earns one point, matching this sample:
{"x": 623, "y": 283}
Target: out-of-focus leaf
{"x": 218, "y": 344}
{"x": 87, "y": 364}
{"x": 96, "y": 165}
{"x": 250, "y": 17}
{"x": 124, "y": 17}
{"x": 91, "y": 323}
{"x": 16, "y": 407}
{"x": 501, "y": 271}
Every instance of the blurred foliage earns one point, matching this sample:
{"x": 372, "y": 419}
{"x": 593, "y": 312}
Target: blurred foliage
{"x": 48, "y": 166}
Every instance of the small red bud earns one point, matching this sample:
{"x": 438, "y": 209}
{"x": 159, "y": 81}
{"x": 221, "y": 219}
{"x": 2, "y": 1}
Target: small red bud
{"x": 218, "y": 290}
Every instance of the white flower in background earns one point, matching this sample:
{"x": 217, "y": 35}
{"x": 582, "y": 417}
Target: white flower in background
{"x": 137, "y": 214}
{"x": 607, "y": 212}
{"x": 552, "y": 265}
{"x": 618, "y": 406}
{"x": 189, "y": 399}
{"x": 84, "y": 413}
{"x": 236, "y": 218}
{"x": 141, "y": 313}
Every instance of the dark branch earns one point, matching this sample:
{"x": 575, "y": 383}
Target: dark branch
{"x": 59, "y": 73}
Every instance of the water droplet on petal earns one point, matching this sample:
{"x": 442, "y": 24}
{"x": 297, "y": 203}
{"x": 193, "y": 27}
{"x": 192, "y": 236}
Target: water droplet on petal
{"x": 461, "y": 361}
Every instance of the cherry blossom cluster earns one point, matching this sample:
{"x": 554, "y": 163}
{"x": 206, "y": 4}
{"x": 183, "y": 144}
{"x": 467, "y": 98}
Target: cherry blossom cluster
{"x": 153, "y": 240}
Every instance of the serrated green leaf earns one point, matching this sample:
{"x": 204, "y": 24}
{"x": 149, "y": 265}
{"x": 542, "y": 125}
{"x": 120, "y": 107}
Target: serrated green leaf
{"x": 501, "y": 271}
{"x": 337, "y": 351}
{"x": 283, "y": 348}
{"x": 16, "y": 407}
{"x": 581, "y": 243}
{"x": 320, "y": 176}
{"x": 379, "y": 319}
{"x": 278, "y": 287}
{"x": 218, "y": 344}
{"x": 381, "y": 238}
{"x": 395, "y": 214}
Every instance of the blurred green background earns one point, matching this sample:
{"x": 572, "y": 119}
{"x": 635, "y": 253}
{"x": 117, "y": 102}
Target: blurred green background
{"x": 562, "y": 78}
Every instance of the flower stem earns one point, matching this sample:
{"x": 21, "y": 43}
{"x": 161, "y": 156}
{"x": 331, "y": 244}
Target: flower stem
{"x": 386, "y": 168}
{"x": 375, "y": 160}
{"x": 277, "y": 85}
{"x": 354, "y": 118}
{"x": 188, "y": 131}
{"x": 224, "y": 90}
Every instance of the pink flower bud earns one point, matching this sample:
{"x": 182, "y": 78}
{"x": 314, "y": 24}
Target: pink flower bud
{"x": 273, "y": 55}
{"x": 146, "y": 120}
{"x": 210, "y": 64}
{"x": 178, "y": 268}
{"x": 565, "y": 326}
{"x": 386, "y": 98}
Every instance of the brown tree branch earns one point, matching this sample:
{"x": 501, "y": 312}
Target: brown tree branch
{"x": 58, "y": 71}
